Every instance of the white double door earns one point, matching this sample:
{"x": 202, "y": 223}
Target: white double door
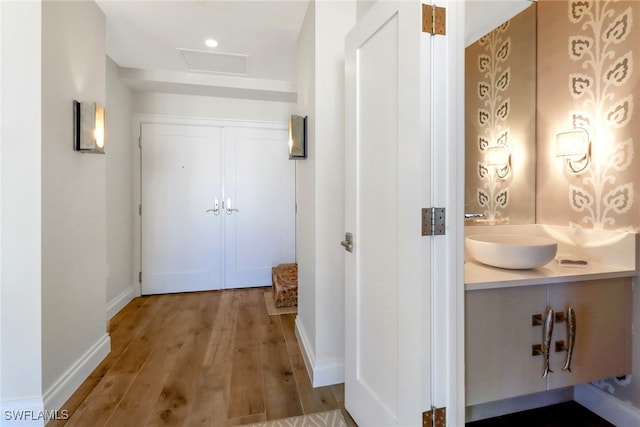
{"x": 218, "y": 206}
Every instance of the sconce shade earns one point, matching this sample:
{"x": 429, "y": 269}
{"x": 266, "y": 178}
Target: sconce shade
{"x": 88, "y": 127}
{"x": 297, "y": 137}
{"x": 574, "y": 147}
{"x": 499, "y": 157}
{"x": 574, "y": 143}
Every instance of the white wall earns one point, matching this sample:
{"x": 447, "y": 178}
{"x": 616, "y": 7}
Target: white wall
{"x": 20, "y": 254}
{"x": 363, "y": 6}
{"x": 121, "y": 279}
{"x": 167, "y": 104}
{"x": 306, "y": 188}
{"x": 320, "y": 322}
{"x": 74, "y": 338}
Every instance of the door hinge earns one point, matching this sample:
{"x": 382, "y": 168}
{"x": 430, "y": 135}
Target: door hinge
{"x": 140, "y": 209}
{"x": 433, "y": 221}
{"x": 434, "y": 19}
{"x": 139, "y": 276}
{"x": 140, "y": 142}
{"x": 436, "y": 417}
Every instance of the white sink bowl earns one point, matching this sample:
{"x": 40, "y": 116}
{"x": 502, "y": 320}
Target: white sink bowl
{"x": 511, "y": 251}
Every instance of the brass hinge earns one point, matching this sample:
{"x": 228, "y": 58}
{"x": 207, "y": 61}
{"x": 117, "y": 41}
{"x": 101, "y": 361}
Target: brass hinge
{"x": 434, "y": 19}
{"x": 436, "y": 417}
{"x": 139, "y": 276}
{"x": 433, "y": 221}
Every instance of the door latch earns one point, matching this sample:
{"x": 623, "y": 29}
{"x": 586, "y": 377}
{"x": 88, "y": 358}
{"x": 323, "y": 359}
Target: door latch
{"x": 348, "y": 242}
{"x": 216, "y": 207}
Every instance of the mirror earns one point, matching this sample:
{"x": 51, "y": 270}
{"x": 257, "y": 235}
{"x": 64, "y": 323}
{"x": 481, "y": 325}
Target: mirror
{"x": 500, "y": 125}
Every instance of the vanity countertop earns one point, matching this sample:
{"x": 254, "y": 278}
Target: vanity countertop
{"x": 479, "y": 276}
{"x": 610, "y": 254}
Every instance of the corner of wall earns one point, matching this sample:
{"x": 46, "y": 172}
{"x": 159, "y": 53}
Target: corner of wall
{"x": 321, "y": 373}
{"x": 122, "y": 299}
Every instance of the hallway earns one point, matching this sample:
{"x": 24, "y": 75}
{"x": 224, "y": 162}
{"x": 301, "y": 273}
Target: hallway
{"x": 204, "y": 358}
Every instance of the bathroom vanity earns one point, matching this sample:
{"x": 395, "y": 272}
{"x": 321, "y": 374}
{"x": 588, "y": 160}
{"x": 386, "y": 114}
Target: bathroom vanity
{"x": 506, "y": 311}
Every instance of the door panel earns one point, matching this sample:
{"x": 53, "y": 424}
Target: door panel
{"x": 260, "y": 182}
{"x": 181, "y": 242}
{"x": 184, "y": 168}
{"x": 376, "y": 232}
{"x": 387, "y": 362}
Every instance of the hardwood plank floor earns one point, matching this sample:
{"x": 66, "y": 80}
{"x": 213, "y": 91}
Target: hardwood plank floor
{"x": 203, "y": 358}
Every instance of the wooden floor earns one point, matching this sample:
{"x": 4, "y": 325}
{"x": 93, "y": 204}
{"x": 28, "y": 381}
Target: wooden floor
{"x": 206, "y": 358}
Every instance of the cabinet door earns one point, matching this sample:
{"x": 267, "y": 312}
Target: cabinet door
{"x": 498, "y": 341}
{"x": 603, "y": 330}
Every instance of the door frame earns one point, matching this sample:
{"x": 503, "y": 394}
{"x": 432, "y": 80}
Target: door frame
{"x": 448, "y": 176}
{"x": 136, "y": 128}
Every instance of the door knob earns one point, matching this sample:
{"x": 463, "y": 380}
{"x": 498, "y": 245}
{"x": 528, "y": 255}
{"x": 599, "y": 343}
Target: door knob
{"x": 347, "y": 243}
{"x": 230, "y": 210}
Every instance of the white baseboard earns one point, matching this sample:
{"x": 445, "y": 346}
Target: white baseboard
{"x": 118, "y": 303}
{"x": 321, "y": 373}
{"x": 69, "y": 382}
{"x": 22, "y": 413}
{"x": 612, "y": 409}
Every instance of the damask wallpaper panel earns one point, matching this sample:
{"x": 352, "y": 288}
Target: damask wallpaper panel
{"x": 500, "y": 110}
{"x": 587, "y": 78}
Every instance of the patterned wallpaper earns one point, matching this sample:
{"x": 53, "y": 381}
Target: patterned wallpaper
{"x": 500, "y": 105}
{"x": 586, "y": 78}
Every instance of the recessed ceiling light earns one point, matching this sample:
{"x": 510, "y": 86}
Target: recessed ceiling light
{"x": 211, "y": 43}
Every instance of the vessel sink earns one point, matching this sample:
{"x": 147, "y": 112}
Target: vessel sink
{"x": 511, "y": 251}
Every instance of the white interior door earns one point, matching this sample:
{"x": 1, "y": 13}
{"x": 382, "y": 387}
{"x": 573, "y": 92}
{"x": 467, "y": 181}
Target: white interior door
{"x": 424, "y": 316}
{"x": 387, "y": 360}
{"x": 218, "y": 206}
{"x": 259, "y": 187}
{"x": 181, "y": 177}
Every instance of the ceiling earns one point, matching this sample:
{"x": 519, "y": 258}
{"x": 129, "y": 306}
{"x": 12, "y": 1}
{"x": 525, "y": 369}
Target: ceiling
{"x": 161, "y": 45}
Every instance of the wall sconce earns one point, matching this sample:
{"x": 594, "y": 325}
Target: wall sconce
{"x": 297, "y": 137}
{"x": 575, "y": 147}
{"x": 499, "y": 157}
{"x": 88, "y": 127}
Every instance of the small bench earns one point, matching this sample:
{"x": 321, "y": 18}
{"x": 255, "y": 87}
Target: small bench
{"x": 285, "y": 285}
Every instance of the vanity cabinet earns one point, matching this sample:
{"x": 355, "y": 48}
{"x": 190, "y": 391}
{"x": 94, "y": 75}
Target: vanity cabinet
{"x": 500, "y": 335}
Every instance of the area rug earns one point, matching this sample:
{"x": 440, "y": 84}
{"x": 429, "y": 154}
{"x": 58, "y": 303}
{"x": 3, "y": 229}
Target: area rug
{"x": 319, "y": 419}
{"x": 273, "y": 310}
